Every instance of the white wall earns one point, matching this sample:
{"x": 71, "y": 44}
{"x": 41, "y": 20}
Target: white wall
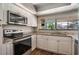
{"x": 69, "y": 15}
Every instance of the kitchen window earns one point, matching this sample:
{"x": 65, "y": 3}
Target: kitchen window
{"x": 67, "y": 25}
{"x": 62, "y": 25}
{"x": 50, "y": 24}
{"x": 72, "y": 25}
{"x": 56, "y": 24}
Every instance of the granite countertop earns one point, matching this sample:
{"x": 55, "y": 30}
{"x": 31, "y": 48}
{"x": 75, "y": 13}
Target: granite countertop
{"x": 53, "y": 34}
{"x": 40, "y": 33}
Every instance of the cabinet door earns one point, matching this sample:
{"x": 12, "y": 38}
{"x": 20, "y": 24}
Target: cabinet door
{"x": 52, "y": 43}
{"x": 5, "y": 9}
{"x": 9, "y": 48}
{"x": 4, "y": 50}
{"x": 1, "y": 39}
{"x": 33, "y": 42}
{"x": 33, "y": 20}
{"x": 1, "y": 13}
{"x": 64, "y": 45}
{"x": 42, "y": 42}
{"x": 0, "y": 49}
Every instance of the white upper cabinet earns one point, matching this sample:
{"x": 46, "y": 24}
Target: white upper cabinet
{"x": 31, "y": 19}
{"x": 34, "y": 19}
{"x": 1, "y": 13}
{"x": 5, "y": 8}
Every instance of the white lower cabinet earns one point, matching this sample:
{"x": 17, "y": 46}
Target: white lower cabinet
{"x": 64, "y": 45}
{"x": 1, "y": 39}
{"x": 0, "y": 49}
{"x": 42, "y": 42}
{"x": 11, "y": 49}
{"x": 7, "y": 49}
{"x": 33, "y": 42}
{"x": 4, "y": 49}
{"x": 52, "y": 44}
{"x": 61, "y": 45}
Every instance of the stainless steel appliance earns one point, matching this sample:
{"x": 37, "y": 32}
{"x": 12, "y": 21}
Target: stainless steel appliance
{"x": 16, "y": 18}
{"x": 22, "y": 46}
{"x": 21, "y": 42}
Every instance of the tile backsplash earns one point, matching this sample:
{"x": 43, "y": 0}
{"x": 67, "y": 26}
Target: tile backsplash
{"x": 25, "y": 29}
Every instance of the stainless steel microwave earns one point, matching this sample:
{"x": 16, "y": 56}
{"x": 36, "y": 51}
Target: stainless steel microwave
{"x": 16, "y": 18}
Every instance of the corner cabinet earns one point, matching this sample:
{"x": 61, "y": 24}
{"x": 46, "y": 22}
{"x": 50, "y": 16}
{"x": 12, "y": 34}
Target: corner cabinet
{"x": 56, "y": 44}
{"x": 65, "y": 45}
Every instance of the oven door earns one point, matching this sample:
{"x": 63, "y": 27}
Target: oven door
{"x": 22, "y": 47}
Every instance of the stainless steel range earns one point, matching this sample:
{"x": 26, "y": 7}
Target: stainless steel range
{"x": 21, "y": 42}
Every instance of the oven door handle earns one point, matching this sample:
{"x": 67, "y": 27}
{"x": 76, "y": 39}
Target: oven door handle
{"x": 15, "y": 41}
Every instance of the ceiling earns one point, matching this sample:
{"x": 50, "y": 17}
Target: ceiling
{"x": 46, "y": 6}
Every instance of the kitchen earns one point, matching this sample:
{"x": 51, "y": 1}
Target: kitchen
{"x": 31, "y": 29}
